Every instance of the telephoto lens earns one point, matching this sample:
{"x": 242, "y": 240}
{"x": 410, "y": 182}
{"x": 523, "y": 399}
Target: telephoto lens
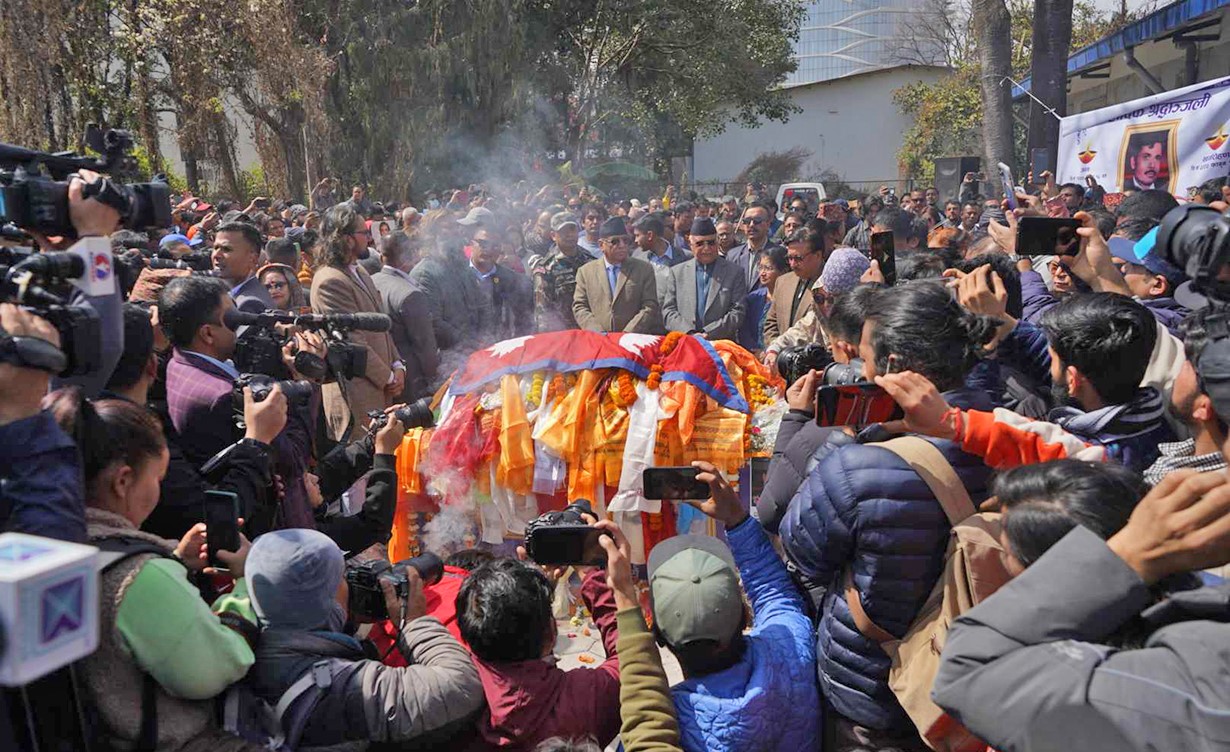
{"x": 840, "y": 374}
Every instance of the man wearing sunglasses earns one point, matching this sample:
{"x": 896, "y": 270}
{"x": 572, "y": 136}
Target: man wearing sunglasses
{"x": 616, "y": 293}
{"x": 705, "y": 295}
{"x": 755, "y": 225}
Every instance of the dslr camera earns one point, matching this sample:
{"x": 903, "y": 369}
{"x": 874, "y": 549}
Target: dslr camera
{"x": 366, "y": 600}
{"x": 793, "y": 363}
{"x": 298, "y": 393}
{"x": 563, "y": 537}
{"x": 417, "y": 414}
{"x": 1196, "y": 239}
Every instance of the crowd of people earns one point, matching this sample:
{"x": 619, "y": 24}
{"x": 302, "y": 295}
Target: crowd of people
{"x": 1075, "y": 402}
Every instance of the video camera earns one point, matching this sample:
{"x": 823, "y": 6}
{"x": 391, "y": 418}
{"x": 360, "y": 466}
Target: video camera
{"x": 366, "y": 599}
{"x": 34, "y": 186}
{"x": 262, "y": 352}
{"x": 43, "y": 283}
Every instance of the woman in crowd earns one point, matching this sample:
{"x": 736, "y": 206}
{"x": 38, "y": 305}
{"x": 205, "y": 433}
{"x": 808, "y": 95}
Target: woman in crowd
{"x": 773, "y": 264}
{"x": 158, "y": 641}
{"x": 283, "y": 286}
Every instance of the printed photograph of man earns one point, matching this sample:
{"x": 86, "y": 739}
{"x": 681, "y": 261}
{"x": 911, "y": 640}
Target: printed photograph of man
{"x": 1148, "y": 159}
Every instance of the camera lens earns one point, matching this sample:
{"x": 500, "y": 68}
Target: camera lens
{"x": 1196, "y": 239}
{"x": 429, "y": 566}
{"x": 417, "y": 414}
{"x": 840, "y": 374}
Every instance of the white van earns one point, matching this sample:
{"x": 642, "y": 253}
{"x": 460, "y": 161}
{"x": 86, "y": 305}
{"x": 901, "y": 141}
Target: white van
{"x": 813, "y": 192}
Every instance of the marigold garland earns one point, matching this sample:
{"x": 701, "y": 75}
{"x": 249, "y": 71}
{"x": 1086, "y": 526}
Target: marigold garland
{"x": 623, "y": 390}
{"x": 655, "y": 376}
{"x": 534, "y": 398}
{"x": 670, "y": 343}
{"x": 758, "y": 390}
{"x": 557, "y": 388}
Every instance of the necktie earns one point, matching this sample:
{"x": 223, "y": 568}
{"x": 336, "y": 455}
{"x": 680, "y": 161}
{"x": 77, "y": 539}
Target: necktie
{"x": 702, "y": 294}
{"x": 612, "y": 274}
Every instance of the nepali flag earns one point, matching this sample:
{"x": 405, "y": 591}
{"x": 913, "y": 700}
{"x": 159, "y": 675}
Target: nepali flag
{"x": 693, "y": 360}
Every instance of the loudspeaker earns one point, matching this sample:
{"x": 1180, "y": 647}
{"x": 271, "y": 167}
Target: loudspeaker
{"x": 949, "y": 171}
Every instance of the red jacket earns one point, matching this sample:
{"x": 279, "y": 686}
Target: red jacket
{"x": 530, "y": 701}
{"x": 441, "y": 603}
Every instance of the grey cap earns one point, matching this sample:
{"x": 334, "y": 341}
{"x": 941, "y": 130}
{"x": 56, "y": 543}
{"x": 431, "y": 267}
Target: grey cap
{"x": 561, "y": 220}
{"x": 694, "y": 589}
{"x": 477, "y": 216}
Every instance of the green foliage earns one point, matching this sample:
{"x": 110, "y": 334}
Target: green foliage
{"x": 146, "y": 171}
{"x": 947, "y": 117}
{"x": 253, "y": 183}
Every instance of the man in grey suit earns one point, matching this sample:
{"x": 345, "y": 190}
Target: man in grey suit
{"x": 705, "y": 296}
{"x": 755, "y": 224}
{"x": 406, "y": 304}
{"x": 616, "y": 293}
{"x": 236, "y": 256}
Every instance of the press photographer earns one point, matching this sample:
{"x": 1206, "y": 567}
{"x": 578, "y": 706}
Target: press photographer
{"x": 201, "y": 386}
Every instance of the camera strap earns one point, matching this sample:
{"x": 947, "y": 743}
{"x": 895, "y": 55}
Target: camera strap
{"x": 32, "y": 352}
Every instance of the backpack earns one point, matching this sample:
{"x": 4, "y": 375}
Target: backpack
{"x": 974, "y": 568}
{"x": 279, "y": 727}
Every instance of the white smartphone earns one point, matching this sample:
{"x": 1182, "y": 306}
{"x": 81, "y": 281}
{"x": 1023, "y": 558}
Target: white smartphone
{"x": 1005, "y": 177}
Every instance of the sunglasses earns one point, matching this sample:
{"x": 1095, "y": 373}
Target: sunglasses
{"x": 793, "y": 259}
{"x": 618, "y": 240}
{"x": 753, "y": 221}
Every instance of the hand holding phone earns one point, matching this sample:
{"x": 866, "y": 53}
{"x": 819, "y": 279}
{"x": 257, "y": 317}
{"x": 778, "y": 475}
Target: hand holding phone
{"x": 1009, "y": 186}
{"x": 221, "y": 525}
{"x": 673, "y": 483}
{"x": 1046, "y": 236}
{"x": 884, "y": 253}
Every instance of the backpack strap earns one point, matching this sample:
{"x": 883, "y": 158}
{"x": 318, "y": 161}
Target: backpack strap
{"x": 309, "y": 688}
{"x": 937, "y": 472}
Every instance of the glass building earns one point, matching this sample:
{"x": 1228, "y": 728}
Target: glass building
{"x": 844, "y": 37}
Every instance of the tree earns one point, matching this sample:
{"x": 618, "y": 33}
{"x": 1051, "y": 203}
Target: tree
{"x": 993, "y": 25}
{"x": 774, "y": 167}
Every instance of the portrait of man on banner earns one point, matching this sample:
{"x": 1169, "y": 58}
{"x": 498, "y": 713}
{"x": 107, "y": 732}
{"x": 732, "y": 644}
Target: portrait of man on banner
{"x": 1148, "y": 157}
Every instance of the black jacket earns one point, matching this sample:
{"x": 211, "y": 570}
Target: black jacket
{"x": 373, "y": 523}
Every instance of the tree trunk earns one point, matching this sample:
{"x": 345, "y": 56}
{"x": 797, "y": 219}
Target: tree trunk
{"x": 992, "y": 24}
{"x": 1049, "y": 74}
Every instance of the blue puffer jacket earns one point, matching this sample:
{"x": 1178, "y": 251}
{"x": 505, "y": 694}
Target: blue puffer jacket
{"x": 769, "y": 700}
{"x": 864, "y": 508}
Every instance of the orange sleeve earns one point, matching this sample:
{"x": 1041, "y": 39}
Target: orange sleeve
{"x": 1004, "y": 439}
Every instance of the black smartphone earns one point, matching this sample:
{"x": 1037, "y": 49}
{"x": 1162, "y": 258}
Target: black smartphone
{"x": 1039, "y": 162}
{"x": 758, "y": 473}
{"x": 855, "y": 405}
{"x": 674, "y": 483}
{"x": 883, "y": 251}
{"x": 262, "y": 203}
{"x": 566, "y": 544}
{"x": 221, "y": 524}
{"x": 1046, "y": 236}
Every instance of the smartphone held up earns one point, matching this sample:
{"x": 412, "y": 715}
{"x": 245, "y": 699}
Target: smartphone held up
{"x": 221, "y": 525}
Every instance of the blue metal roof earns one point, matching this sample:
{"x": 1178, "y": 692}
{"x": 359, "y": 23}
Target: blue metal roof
{"x": 1156, "y": 24}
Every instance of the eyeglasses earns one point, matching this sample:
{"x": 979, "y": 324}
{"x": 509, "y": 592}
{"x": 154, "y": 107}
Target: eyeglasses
{"x": 271, "y": 286}
{"x": 618, "y": 240}
{"x": 753, "y": 221}
{"x": 793, "y": 259}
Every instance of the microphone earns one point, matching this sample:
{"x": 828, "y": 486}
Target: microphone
{"x": 366, "y": 322}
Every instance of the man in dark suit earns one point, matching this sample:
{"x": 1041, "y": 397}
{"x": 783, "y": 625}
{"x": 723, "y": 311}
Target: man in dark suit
{"x": 791, "y": 295}
{"x": 755, "y": 225}
{"x": 510, "y": 293}
{"x": 616, "y": 293}
{"x": 200, "y": 382}
{"x": 236, "y": 257}
{"x": 407, "y": 306}
{"x": 651, "y": 245}
{"x": 705, "y": 295}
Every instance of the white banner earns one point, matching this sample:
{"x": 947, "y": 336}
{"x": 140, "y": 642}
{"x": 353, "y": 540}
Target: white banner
{"x": 1171, "y": 141}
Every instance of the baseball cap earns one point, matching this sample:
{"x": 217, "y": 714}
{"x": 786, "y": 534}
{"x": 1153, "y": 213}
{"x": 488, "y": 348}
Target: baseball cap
{"x": 1122, "y": 248}
{"x": 562, "y": 219}
{"x": 694, "y": 589}
{"x": 476, "y": 216}
{"x": 1144, "y": 254}
{"x": 173, "y": 238}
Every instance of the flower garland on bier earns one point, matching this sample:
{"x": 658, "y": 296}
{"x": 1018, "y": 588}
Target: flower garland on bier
{"x": 531, "y": 422}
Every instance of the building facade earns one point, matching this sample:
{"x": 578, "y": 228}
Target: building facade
{"x": 847, "y": 37}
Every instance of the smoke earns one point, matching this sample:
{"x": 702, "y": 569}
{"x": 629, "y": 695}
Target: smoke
{"x": 453, "y": 529}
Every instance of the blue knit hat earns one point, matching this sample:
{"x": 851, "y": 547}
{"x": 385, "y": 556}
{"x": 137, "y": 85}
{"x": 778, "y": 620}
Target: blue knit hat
{"x": 292, "y": 577}
{"x": 843, "y": 269}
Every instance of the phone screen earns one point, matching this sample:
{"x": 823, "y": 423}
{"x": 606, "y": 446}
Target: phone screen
{"x": 1047, "y": 236}
{"x": 674, "y": 483}
{"x": 758, "y": 474}
{"x": 883, "y": 251}
{"x": 221, "y": 524}
{"x": 1005, "y": 178}
{"x": 855, "y": 405}
{"x": 567, "y": 544}
{"x": 1039, "y": 162}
